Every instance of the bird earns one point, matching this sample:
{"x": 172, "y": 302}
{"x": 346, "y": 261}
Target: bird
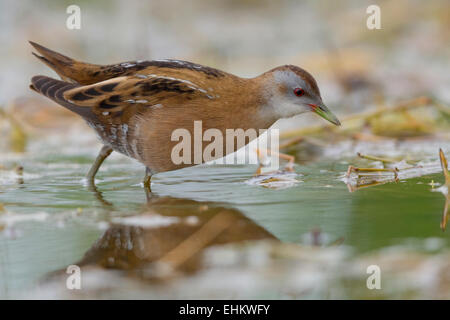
{"x": 135, "y": 106}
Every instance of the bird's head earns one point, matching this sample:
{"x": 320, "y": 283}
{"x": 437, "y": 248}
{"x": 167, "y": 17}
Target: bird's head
{"x": 292, "y": 91}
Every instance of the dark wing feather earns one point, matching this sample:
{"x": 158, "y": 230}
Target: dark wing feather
{"x": 119, "y": 94}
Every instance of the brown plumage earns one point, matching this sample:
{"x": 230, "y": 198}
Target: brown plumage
{"x": 135, "y": 106}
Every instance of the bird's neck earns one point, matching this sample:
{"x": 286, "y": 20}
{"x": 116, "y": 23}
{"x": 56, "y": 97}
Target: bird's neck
{"x": 249, "y": 104}
{"x": 262, "y": 90}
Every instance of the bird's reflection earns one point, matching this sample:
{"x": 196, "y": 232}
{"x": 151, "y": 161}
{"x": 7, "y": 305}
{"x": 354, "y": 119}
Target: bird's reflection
{"x": 99, "y": 195}
{"x": 172, "y": 233}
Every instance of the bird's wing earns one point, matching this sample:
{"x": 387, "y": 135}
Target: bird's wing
{"x": 113, "y": 97}
{"x": 71, "y": 70}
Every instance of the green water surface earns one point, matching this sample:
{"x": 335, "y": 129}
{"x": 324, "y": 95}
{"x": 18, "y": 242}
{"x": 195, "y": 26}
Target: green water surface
{"x": 365, "y": 220}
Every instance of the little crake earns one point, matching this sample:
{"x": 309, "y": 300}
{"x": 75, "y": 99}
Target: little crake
{"x": 135, "y": 106}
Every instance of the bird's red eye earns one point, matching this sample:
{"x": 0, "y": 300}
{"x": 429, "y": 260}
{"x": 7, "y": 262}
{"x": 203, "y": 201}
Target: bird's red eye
{"x": 299, "y": 92}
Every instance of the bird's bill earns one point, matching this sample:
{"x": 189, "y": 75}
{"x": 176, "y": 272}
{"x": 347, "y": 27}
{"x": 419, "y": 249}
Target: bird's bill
{"x": 325, "y": 113}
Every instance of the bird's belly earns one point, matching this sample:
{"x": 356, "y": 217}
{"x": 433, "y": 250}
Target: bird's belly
{"x": 174, "y": 139}
{"x": 117, "y": 137}
{"x": 167, "y": 149}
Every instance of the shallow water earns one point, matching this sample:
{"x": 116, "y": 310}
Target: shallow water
{"x": 320, "y": 230}
{"x": 52, "y": 218}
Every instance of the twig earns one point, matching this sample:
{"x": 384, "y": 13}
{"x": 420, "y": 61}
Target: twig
{"x": 444, "y": 165}
{"x": 374, "y": 158}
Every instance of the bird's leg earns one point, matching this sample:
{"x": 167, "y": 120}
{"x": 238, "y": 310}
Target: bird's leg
{"x": 147, "y": 183}
{"x": 290, "y": 159}
{"x": 147, "y": 178}
{"x": 259, "y": 170}
{"x": 102, "y": 155}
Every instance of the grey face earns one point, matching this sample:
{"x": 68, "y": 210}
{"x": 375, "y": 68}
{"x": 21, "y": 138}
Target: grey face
{"x": 299, "y": 93}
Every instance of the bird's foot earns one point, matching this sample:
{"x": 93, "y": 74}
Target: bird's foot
{"x": 289, "y": 167}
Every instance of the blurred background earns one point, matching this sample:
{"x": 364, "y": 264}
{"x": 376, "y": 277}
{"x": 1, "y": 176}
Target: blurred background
{"x": 407, "y": 57}
{"x": 315, "y": 233}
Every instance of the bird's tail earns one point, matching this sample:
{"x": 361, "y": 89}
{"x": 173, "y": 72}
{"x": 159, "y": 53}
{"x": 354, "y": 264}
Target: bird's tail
{"x": 70, "y": 70}
{"x": 54, "y": 89}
